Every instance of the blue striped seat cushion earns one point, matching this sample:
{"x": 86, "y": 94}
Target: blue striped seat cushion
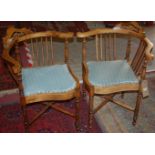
{"x": 50, "y": 79}
{"x": 108, "y": 73}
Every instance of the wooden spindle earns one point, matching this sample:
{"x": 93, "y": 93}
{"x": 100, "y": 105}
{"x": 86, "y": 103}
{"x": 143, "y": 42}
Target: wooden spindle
{"x": 140, "y": 66}
{"x": 47, "y": 54}
{"x": 32, "y": 51}
{"x": 101, "y": 48}
{"x": 114, "y": 46}
{"x": 140, "y": 60}
{"x": 66, "y": 52}
{"x": 108, "y": 37}
{"x": 42, "y": 51}
{"x": 110, "y": 46}
{"x": 52, "y": 50}
{"x": 36, "y": 52}
{"x": 97, "y": 50}
{"x": 128, "y": 50}
{"x": 105, "y": 48}
{"x": 137, "y": 55}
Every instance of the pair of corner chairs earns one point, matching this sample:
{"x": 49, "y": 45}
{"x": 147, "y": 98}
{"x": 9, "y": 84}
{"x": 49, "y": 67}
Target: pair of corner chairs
{"x": 118, "y": 67}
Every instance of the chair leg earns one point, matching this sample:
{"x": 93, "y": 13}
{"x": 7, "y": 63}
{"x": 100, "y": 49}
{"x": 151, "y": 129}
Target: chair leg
{"x": 136, "y": 111}
{"x": 26, "y": 124}
{"x": 91, "y": 100}
{"x": 77, "y": 114}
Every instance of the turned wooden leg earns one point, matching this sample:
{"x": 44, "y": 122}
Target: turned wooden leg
{"x": 136, "y": 111}
{"x": 91, "y": 100}
{"x": 25, "y": 117}
{"x": 77, "y": 114}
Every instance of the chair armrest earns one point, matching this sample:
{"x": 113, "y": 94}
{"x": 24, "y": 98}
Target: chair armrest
{"x": 148, "y": 50}
{"x": 9, "y": 42}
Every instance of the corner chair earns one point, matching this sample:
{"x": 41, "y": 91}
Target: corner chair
{"x": 45, "y": 81}
{"x": 117, "y": 66}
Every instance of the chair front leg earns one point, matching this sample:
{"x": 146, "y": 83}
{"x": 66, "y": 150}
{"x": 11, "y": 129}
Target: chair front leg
{"x": 136, "y": 111}
{"x": 77, "y": 114}
{"x": 91, "y": 102}
{"x": 25, "y": 117}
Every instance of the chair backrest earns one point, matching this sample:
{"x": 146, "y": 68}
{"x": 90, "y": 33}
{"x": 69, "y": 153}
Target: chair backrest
{"x": 115, "y": 44}
{"x": 40, "y": 44}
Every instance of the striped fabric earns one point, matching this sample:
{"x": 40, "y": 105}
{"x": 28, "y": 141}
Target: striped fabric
{"x": 107, "y": 73}
{"x": 50, "y": 79}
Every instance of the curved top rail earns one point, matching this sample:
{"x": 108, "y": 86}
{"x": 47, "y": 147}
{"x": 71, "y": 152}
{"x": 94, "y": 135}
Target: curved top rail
{"x": 108, "y": 30}
{"x": 62, "y": 35}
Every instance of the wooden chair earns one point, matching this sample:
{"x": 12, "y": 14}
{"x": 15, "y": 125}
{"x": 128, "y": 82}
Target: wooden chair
{"x": 45, "y": 82}
{"x": 118, "y": 66}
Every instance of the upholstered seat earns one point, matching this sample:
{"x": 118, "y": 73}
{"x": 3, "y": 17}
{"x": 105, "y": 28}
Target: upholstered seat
{"x": 111, "y": 76}
{"x": 49, "y": 79}
{"x": 107, "y": 73}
